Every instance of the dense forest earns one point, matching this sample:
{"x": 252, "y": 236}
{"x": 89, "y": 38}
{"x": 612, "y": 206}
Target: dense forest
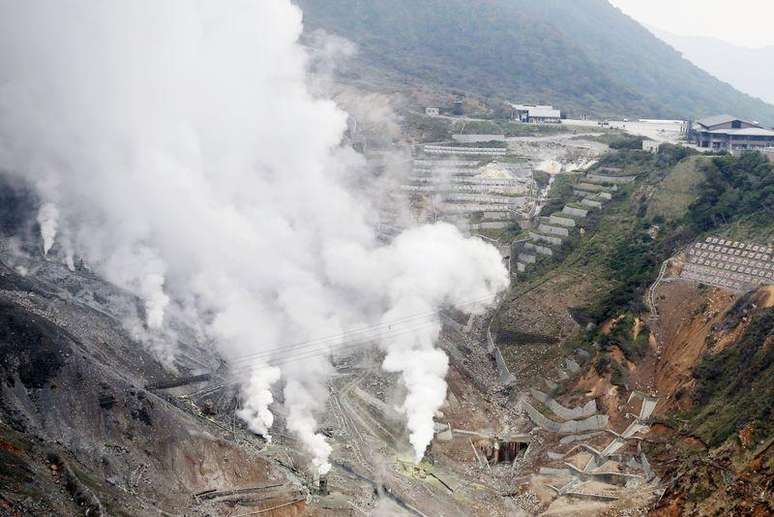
{"x": 582, "y": 55}
{"x": 736, "y": 187}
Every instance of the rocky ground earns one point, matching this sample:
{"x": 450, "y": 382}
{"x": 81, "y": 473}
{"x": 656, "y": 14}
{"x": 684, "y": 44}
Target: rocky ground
{"x": 91, "y": 421}
{"x": 79, "y": 427}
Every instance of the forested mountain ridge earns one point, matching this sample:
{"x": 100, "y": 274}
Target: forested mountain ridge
{"x": 585, "y": 56}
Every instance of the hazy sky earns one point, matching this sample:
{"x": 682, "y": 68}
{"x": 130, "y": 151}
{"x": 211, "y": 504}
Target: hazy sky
{"x": 747, "y": 23}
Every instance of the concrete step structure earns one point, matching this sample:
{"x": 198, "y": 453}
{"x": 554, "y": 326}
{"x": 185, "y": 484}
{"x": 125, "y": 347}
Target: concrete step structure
{"x": 558, "y": 220}
{"x": 591, "y": 203}
{"x": 526, "y": 258}
{"x": 490, "y": 225}
{"x": 585, "y": 411}
{"x": 597, "y": 187}
{"x": 605, "y": 179}
{"x": 554, "y": 230}
{"x": 594, "y": 196}
{"x": 465, "y": 151}
{"x": 590, "y": 187}
{"x": 575, "y": 211}
{"x": 540, "y": 250}
{"x": 576, "y": 426}
{"x": 551, "y": 239}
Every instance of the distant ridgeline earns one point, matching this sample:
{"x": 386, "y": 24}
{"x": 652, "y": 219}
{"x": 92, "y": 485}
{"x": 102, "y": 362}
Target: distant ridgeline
{"x": 583, "y": 55}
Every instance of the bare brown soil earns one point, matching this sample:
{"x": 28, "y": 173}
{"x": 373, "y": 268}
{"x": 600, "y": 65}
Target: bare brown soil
{"x": 687, "y": 314}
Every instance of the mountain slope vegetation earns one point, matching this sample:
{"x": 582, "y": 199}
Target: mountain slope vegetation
{"x": 582, "y": 55}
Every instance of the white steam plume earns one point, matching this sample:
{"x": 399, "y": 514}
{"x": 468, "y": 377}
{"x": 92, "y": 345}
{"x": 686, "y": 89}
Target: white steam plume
{"x": 305, "y": 396}
{"x": 194, "y": 167}
{"x": 423, "y": 269}
{"x": 258, "y": 398}
{"x": 48, "y": 219}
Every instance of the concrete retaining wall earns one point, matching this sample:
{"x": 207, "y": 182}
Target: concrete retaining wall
{"x": 592, "y": 203}
{"x": 554, "y": 230}
{"x": 492, "y": 225}
{"x": 587, "y": 410}
{"x": 562, "y": 221}
{"x": 540, "y": 250}
{"x": 613, "y": 180}
{"x": 490, "y": 344}
{"x": 505, "y": 374}
{"x": 466, "y": 151}
{"x": 578, "y": 212}
{"x": 592, "y": 423}
{"x": 497, "y": 216}
{"x": 589, "y": 187}
{"x": 502, "y": 368}
{"x": 579, "y": 437}
{"x": 545, "y": 238}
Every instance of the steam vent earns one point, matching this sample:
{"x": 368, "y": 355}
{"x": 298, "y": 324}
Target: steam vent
{"x": 324, "y": 258}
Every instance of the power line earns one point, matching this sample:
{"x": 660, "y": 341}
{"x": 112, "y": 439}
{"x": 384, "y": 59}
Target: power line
{"x": 337, "y": 337}
{"x": 368, "y": 329}
{"x": 312, "y": 354}
{"x": 330, "y": 344}
{"x": 322, "y": 346}
{"x": 304, "y": 355}
{"x": 318, "y": 351}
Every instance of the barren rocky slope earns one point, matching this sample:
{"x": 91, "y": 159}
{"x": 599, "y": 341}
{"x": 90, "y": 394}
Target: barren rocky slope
{"x": 627, "y": 397}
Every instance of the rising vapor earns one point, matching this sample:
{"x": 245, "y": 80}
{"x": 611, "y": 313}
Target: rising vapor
{"x": 179, "y": 153}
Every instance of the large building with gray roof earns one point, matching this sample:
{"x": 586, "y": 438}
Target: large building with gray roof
{"x": 728, "y": 133}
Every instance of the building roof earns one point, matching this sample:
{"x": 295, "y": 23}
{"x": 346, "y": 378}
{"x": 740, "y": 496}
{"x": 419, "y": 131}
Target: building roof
{"x": 527, "y": 107}
{"x": 717, "y": 120}
{"x": 545, "y": 112}
{"x": 750, "y": 131}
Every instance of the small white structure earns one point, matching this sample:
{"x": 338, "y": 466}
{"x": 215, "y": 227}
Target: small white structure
{"x": 536, "y": 114}
{"x": 432, "y": 112}
{"x": 650, "y": 145}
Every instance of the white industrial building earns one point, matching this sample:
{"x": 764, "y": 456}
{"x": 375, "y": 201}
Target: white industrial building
{"x": 536, "y": 114}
